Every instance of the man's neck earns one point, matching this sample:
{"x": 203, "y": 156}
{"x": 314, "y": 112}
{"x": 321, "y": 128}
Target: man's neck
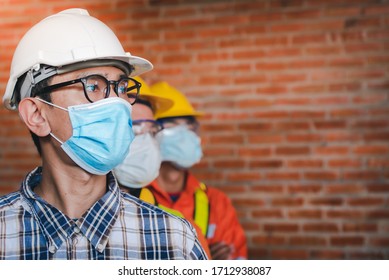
{"x": 171, "y": 179}
{"x": 70, "y": 189}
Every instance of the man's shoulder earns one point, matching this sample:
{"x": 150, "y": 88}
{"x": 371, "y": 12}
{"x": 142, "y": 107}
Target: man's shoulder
{"x": 9, "y": 201}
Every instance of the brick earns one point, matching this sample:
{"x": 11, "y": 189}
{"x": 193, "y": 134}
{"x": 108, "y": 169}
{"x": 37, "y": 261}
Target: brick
{"x": 235, "y": 68}
{"x": 269, "y": 240}
{"x": 341, "y": 137}
{"x": 230, "y": 116}
{"x": 304, "y": 163}
{"x": 292, "y": 125}
{"x": 381, "y": 9}
{"x": 367, "y": 256}
{"x": 320, "y": 227}
{"x": 248, "y": 54}
{"x": 326, "y": 201}
{"x": 291, "y": 27}
{"x": 282, "y": 175}
{"x": 245, "y": 202}
{"x": 270, "y": 66}
{"x": 307, "y": 241}
{"x": 176, "y": 58}
{"x": 307, "y": 114}
{"x": 258, "y": 253}
{"x": 280, "y": 227}
{"x": 250, "y": 226}
{"x": 327, "y": 255}
{"x": 378, "y": 188}
{"x": 244, "y": 176}
{"x": 217, "y": 151}
{"x": 287, "y": 78}
{"x": 359, "y": 227}
{"x": 253, "y": 103}
{"x": 330, "y": 124}
{"x": 304, "y": 189}
{"x": 267, "y": 188}
{"x": 347, "y": 241}
{"x": 211, "y": 32}
{"x": 371, "y": 149}
{"x": 266, "y": 164}
{"x": 344, "y": 189}
{"x": 254, "y": 152}
{"x": 305, "y": 214}
{"x": 287, "y": 202}
{"x": 361, "y": 175}
{"x": 299, "y": 101}
{"x": 306, "y": 39}
{"x": 228, "y": 42}
{"x": 378, "y": 136}
{"x": 267, "y": 213}
{"x": 256, "y": 139}
{"x": 271, "y": 90}
{"x": 235, "y": 163}
{"x": 378, "y": 214}
{"x": 230, "y": 139}
{"x": 321, "y": 175}
{"x": 289, "y": 254}
{"x": 345, "y": 214}
{"x": 304, "y": 138}
{"x": 287, "y": 151}
{"x": 345, "y": 163}
{"x": 366, "y": 201}
{"x": 257, "y": 126}
{"x": 304, "y": 89}
{"x": 381, "y": 242}
{"x": 266, "y": 40}
{"x": 332, "y": 150}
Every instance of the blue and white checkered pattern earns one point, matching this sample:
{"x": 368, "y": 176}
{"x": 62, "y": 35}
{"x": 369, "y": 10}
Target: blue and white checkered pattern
{"x": 118, "y": 226}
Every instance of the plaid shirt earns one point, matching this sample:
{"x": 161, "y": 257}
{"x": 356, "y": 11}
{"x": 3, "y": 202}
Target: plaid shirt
{"x": 118, "y": 226}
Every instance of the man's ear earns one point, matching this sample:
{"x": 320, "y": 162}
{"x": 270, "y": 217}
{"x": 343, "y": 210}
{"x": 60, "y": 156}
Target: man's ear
{"x": 36, "y": 121}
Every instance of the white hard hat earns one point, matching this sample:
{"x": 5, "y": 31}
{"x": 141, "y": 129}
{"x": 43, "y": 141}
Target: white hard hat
{"x": 66, "y": 41}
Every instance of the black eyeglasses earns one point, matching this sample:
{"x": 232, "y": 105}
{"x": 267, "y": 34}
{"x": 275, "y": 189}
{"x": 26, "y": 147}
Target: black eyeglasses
{"x": 97, "y": 87}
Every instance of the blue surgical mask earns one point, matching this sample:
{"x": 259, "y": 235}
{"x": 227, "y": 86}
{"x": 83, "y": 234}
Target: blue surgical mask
{"x": 180, "y": 145}
{"x": 102, "y": 134}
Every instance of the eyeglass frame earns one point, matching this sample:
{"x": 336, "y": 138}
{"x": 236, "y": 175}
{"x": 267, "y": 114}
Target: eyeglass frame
{"x": 190, "y": 121}
{"x": 83, "y": 81}
{"x": 141, "y": 121}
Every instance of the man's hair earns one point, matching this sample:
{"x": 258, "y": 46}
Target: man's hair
{"x": 145, "y": 102}
{"x": 35, "y": 92}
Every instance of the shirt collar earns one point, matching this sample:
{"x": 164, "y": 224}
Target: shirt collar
{"x": 95, "y": 224}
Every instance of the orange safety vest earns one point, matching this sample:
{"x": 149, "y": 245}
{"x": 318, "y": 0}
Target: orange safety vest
{"x": 201, "y": 209}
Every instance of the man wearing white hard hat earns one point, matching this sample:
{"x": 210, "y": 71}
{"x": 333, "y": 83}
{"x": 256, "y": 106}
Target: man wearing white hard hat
{"x": 70, "y": 82}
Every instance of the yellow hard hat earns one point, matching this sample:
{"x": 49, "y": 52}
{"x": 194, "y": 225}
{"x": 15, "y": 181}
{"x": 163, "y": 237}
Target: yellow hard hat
{"x": 181, "y": 106}
{"x": 159, "y": 103}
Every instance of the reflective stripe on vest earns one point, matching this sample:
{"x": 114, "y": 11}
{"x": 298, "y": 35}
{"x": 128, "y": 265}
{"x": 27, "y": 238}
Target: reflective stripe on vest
{"x": 201, "y": 208}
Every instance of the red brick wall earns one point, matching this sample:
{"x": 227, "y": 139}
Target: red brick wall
{"x": 297, "y": 110}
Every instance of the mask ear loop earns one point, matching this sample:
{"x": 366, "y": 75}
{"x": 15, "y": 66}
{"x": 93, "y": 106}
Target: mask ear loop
{"x": 51, "y": 104}
{"x": 56, "y": 106}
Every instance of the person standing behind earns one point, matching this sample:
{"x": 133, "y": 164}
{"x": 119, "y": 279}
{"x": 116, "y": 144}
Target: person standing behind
{"x": 70, "y": 83}
{"x": 177, "y": 190}
{"x": 142, "y": 164}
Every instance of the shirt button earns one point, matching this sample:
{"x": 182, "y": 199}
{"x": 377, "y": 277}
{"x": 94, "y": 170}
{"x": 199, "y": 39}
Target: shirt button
{"x": 52, "y": 249}
{"x": 76, "y": 229}
{"x": 100, "y": 247}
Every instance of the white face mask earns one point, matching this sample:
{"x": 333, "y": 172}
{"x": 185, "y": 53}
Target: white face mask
{"x": 141, "y": 166}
